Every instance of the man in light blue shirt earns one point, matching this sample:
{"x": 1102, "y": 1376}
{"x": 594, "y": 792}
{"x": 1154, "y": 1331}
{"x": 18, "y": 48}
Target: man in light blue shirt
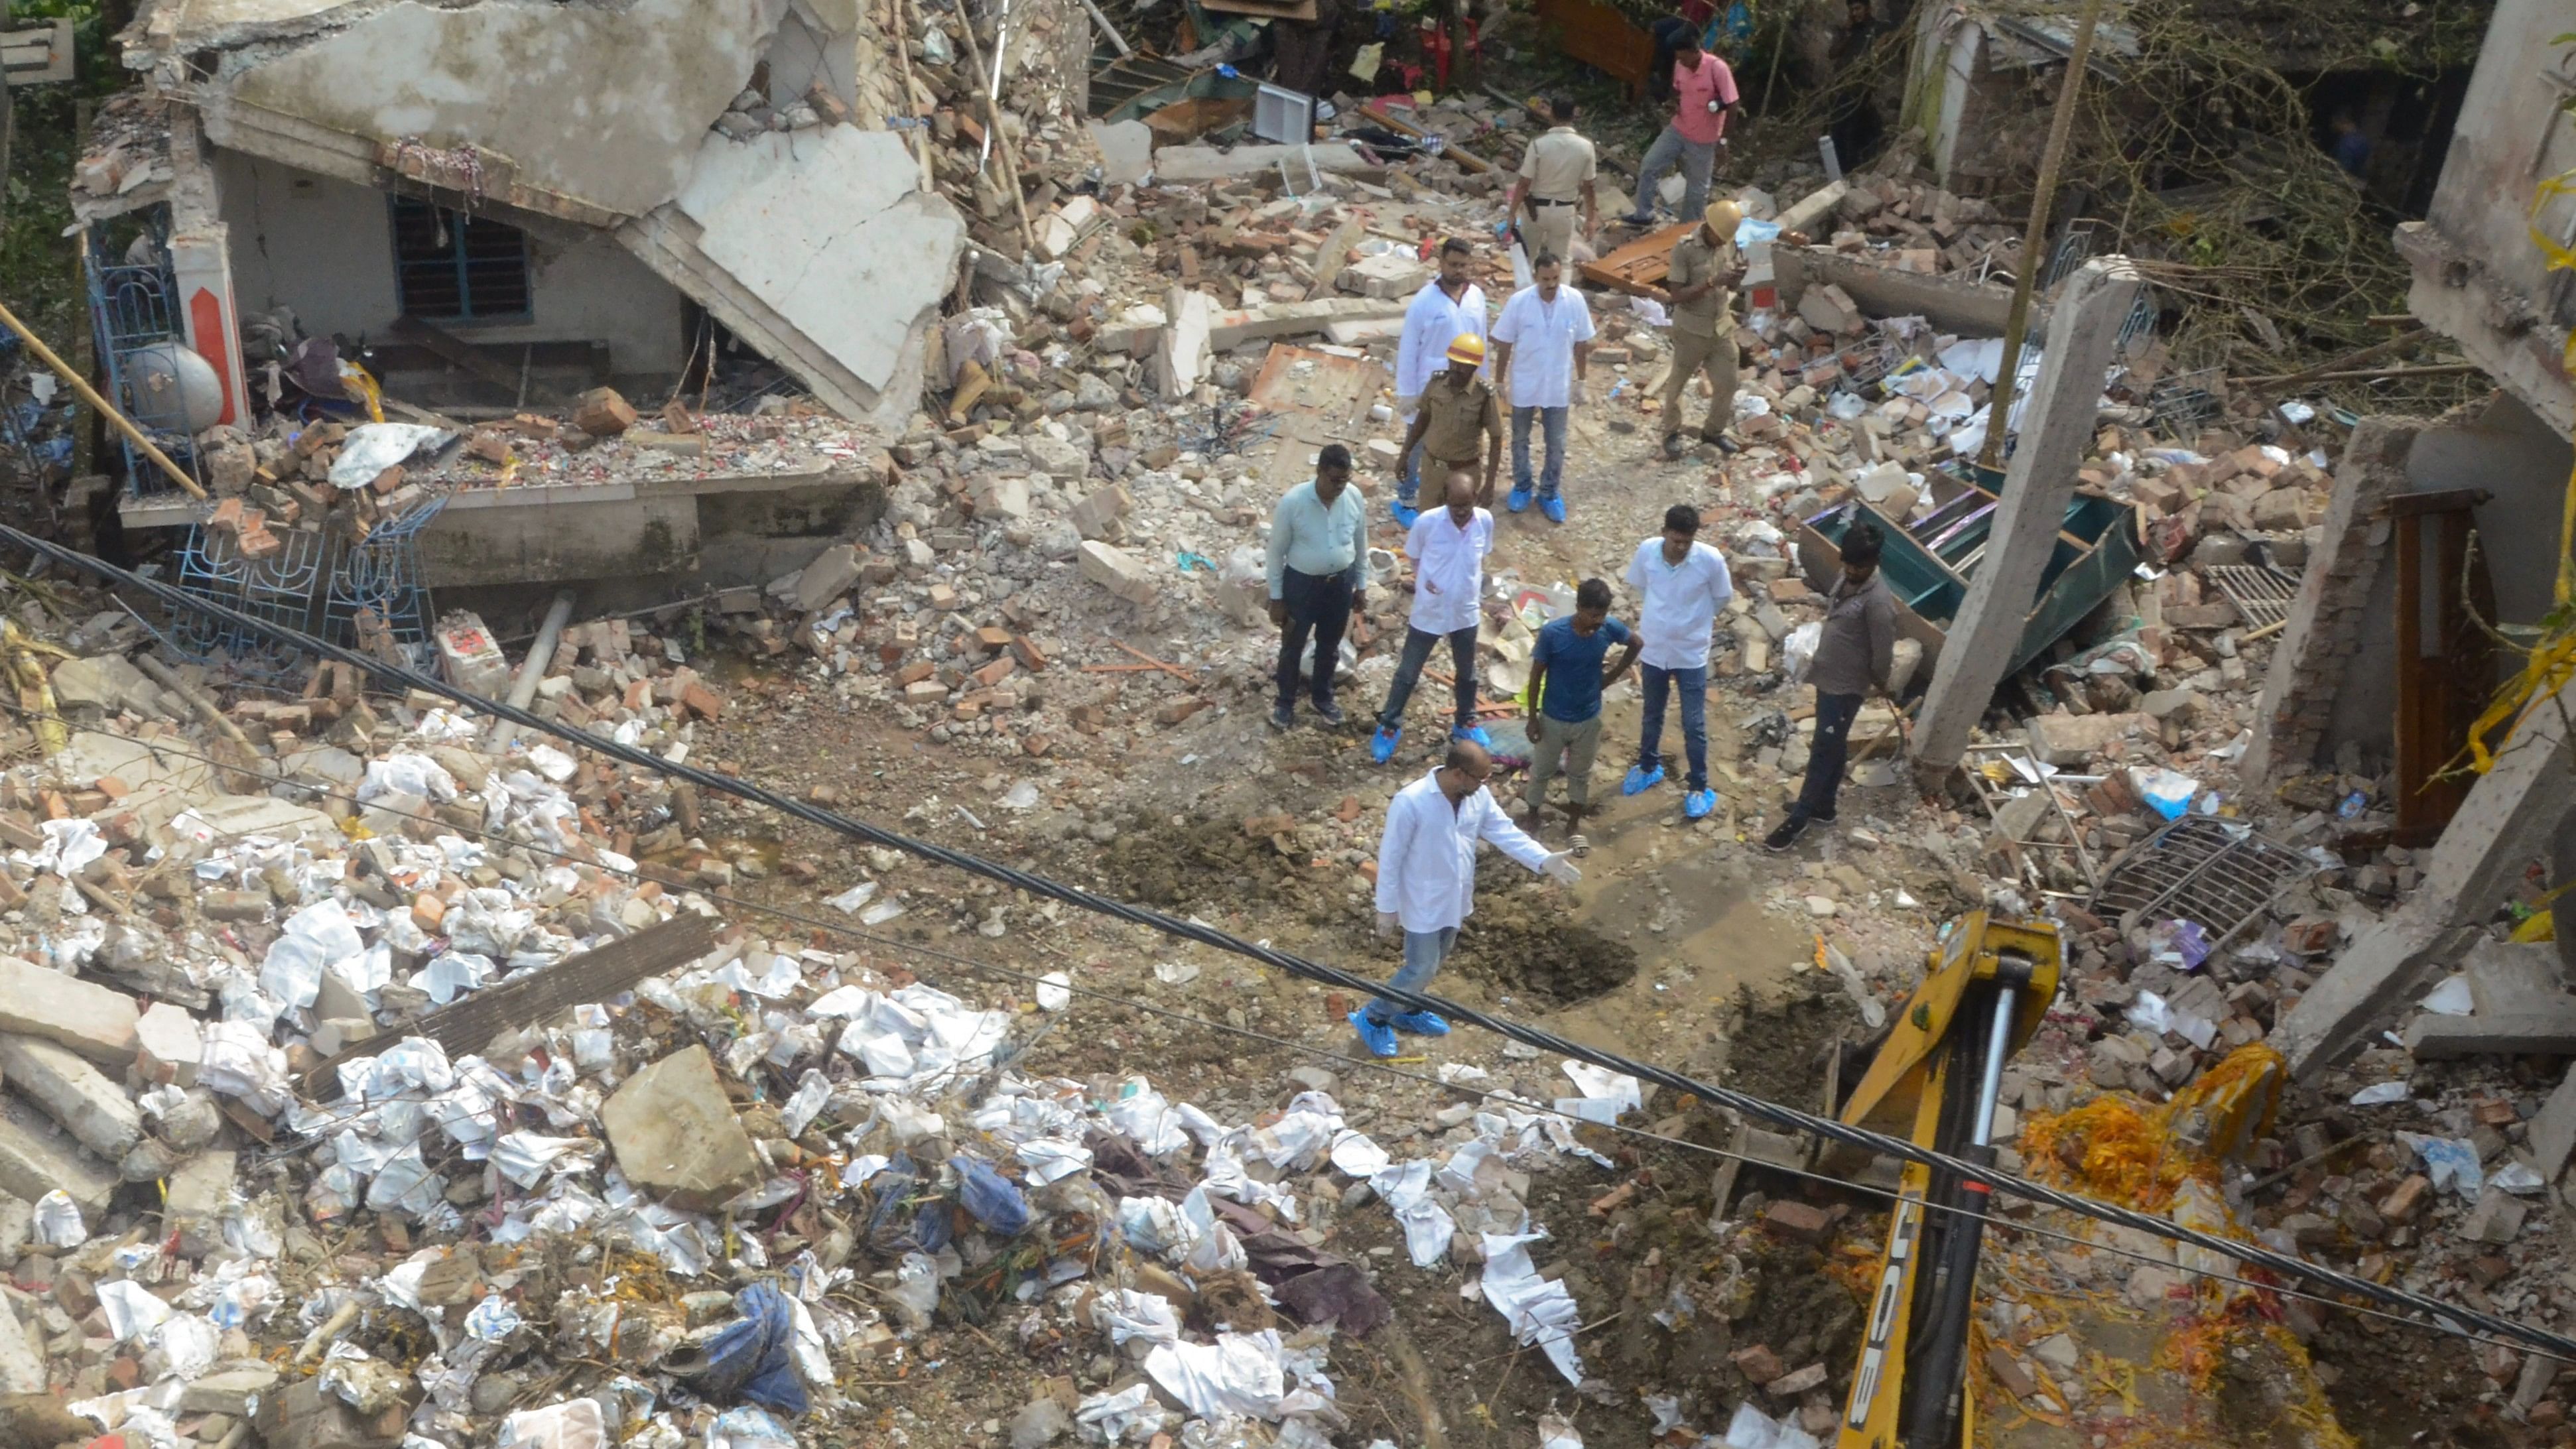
{"x": 1318, "y": 560}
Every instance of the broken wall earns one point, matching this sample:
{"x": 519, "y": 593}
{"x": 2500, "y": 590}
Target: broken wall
{"x": 2478, "y": 277}
{"x": 2513, "y": 455}
{"x": 812, "y": 245}
{"x": 325, "y": 248}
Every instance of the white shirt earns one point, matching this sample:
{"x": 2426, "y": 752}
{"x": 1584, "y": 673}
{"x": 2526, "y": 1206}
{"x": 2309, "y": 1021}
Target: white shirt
{"x": 1681, "y": 603}
{"x": 1542, "y": 335}
{"x": 1431, "y": 323}
{"x": 1426, "y": 865}
{"x": 1448, "y": 569}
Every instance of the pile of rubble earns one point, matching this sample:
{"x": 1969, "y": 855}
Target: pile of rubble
{"x": 472, "y": 1126}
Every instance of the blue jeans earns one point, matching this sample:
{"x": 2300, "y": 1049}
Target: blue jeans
{"x": 1670, "y": 150}
{"x": 1693, "y": 684}
{"x": 1552, "y": 421}
{"x": 1408, "y": 672}
{"x": 1834, "y": 715}
{"x": 1423, "y": 953}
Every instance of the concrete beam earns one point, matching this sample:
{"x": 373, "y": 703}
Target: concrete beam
{"x": 1950, "y": 301}
{"x": 2436, "y": 1038}
{"x": 2057, "y": 427}
{"x": 91, "y": 1020}
{"x": 2509, "y": 337}
{"x": 73, "y": 1093}
{"x": 2503, "y": 825}
{"x": 35, "y": 1159}
{"x": 1174, "y": 165}
{"x": 2331, "y": 616}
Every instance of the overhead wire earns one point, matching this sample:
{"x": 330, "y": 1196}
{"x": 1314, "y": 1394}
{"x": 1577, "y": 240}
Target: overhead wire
{"x": 1775, "y": 1114}
{"x": 1493, "y": 1096}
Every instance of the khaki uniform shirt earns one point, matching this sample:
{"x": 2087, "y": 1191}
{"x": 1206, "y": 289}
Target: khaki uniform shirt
{"x": 1460, "y": 418}
{"x": 1695, "y": 261}
{"x": 1557, "y": 164}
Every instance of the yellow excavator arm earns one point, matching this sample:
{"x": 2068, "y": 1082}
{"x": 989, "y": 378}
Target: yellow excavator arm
{"x": 1936, "y": 1079}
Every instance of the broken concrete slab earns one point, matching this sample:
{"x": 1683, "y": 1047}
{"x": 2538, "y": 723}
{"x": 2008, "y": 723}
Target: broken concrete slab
{"x": 821, "y": 251}
{"x": 1180, "y": 165}
{"x": 1229, "y": 330}
{"x": 91, "y": 1020}
{"x": 1385, "y": 275}
{"x": 74, "y": 1093}
{"x": 240, "y": 816}
{"x": 2387, "y": 964}
{"x": 2553, "y": 1131}
{"x": 1126, "y": 150}
{"x": 104, "y": 685}
{"x": 2433, "y": 1037}
{"x": 22, "y": 1352}
{"x": 36, "y": 1158}
{"x": 2514, "y": 977}
{"x": 2071, "y": 740}
{"x": 675, "y": 1133}
{"x": 1118, "y": 571}
{"x": 230, "y": 1388}
{"x": 1182, "y": 354}
{"x": 1816, "y": 206}
{"x": 199, "y": 1193}
{"x": 405, "y": 72}
{"x": 827, "y": 577}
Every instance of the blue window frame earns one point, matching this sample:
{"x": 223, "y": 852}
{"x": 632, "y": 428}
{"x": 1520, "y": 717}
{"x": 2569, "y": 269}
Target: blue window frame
{"x": 455, "y": 266}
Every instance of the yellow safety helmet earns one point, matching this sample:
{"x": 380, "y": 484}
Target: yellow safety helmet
{"x": 1467, "y": 347}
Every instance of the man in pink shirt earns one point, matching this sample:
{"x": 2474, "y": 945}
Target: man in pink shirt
{"x": 1703, "y": 97}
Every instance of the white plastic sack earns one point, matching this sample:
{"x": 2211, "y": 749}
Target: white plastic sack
{"x": 371, "y": 448}
{"x": 1798, "y": 651}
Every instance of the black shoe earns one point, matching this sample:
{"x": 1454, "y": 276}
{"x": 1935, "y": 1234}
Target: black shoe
{"x": 1330, "y": 715}
{"x": 1672, "y": 445}
{"x": 1786, "y": 835}
{"x": 1825, "y": 819}
{"x": 1283, "y": 717}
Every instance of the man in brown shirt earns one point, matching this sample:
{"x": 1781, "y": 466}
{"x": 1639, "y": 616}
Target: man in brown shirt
{"x": 1457, "y": 406}
{"x": 1704, "y": 266}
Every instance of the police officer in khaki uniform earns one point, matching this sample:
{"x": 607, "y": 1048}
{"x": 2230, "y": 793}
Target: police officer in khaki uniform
{"x": 1555, "y": 178}
{"x": 1704, "y": 267}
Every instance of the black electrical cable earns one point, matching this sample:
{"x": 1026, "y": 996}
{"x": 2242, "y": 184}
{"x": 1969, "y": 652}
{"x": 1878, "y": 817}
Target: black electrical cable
{"x": 1787, "y": 1118}
{"x": 981, "y": 967}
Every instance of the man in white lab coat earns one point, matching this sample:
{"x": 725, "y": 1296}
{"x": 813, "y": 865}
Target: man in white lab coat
{"x": 1447, "y": 308}
{"x": 1426, "y": 879}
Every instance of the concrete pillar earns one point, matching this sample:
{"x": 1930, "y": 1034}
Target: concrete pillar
{"x": 2083, "y": 328}
{"x": 2509, "y": 819}
{"x": 201, "y": 262}
{"x": 2329, "y": 622}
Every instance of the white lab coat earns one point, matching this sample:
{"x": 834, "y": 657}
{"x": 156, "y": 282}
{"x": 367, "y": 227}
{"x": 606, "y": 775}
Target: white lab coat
{"x": 1431, "y": 323}
{"x": 1426, "y": 865}
{"x": 1448, "y": 569}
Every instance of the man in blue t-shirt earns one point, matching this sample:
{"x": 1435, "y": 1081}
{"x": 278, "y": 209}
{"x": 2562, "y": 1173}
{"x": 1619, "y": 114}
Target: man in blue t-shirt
{"x": 1566, "y": 680}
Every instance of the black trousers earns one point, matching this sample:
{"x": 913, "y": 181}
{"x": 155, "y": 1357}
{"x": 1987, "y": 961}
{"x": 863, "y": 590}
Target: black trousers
{"x": 1834, "y": 715}
{"x": 1318, "y": 604}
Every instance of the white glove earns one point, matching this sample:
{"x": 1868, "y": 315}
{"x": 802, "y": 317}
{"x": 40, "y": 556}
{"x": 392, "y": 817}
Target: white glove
{"x": 1581, "y": 393}
{"x": 1386, "y": 923}
{"x": 1559, "y": 867}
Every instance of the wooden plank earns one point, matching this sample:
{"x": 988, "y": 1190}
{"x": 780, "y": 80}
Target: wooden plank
{"x": 466, "y": 1024}
{"x": 1638, "y": 267}
{"x": 2440, "y": 500}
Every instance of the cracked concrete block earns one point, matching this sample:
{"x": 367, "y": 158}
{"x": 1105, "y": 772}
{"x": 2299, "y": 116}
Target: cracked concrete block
{"x": 1126, "y": 150}
{"x": 827, "y": 578}
{"x": 675, "y": 1133}
{"x": 89, "y": 1019}
{"x": 35, "y": 1159}
{"x": 1118, "y": 571}
{"x": 79, "y": 1096}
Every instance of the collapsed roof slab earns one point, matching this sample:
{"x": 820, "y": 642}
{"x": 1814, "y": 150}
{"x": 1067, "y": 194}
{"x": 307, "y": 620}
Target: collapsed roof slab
{"x": 596, "y": 108}
{"x": 819, "y": 249}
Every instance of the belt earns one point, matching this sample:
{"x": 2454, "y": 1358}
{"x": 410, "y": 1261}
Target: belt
{"x": 1543, "y": 201}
